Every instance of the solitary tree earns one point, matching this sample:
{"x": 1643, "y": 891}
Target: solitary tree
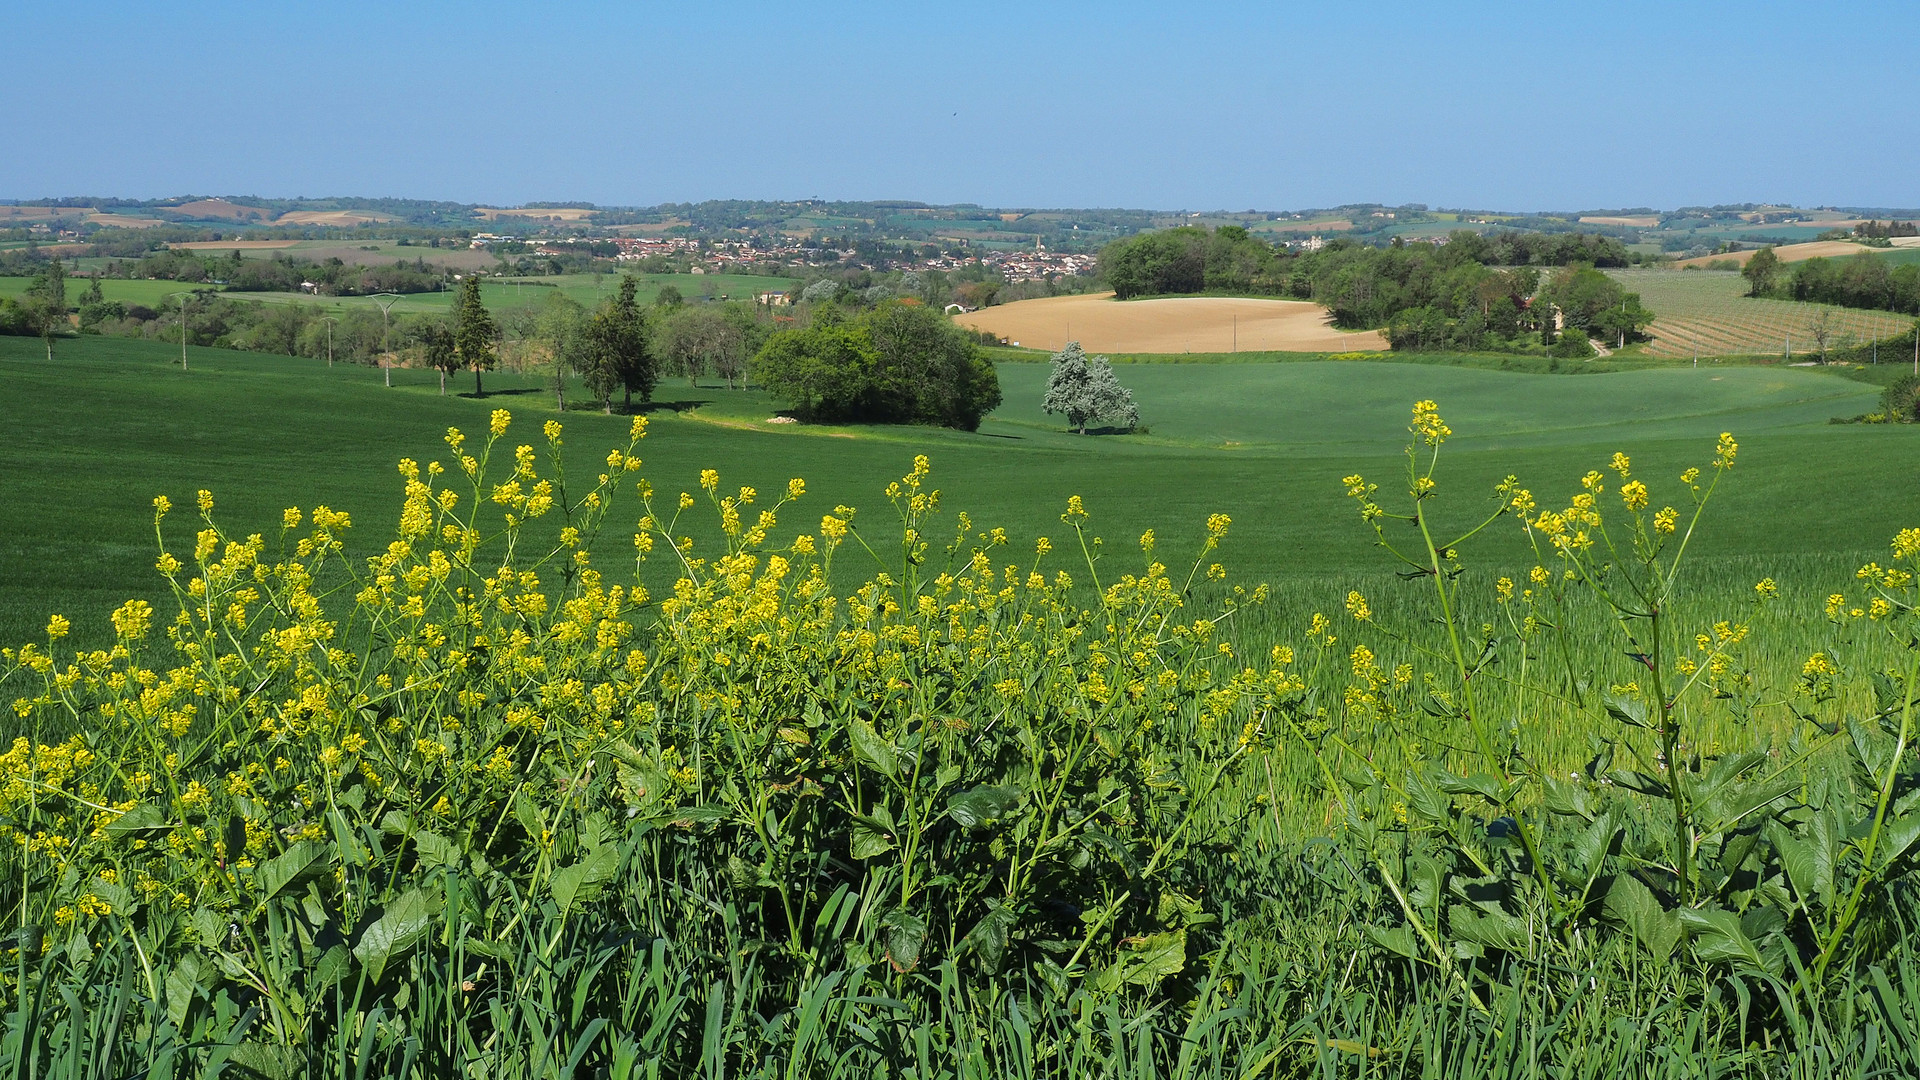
{"x": 621, "y": 337}
{"x": 1822, "y": 331}
{"x": 1087, "y": 390}
{"x": 442, "y": 355}
{"x": 1760, "y": 271}
{"x": 45, "y": 303}
{"x": 473, "y": 331}
{"x": 562, "y": 328}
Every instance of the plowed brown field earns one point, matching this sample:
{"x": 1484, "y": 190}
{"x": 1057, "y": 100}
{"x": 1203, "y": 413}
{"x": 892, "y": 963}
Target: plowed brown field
{"x": 1211, "y": 324}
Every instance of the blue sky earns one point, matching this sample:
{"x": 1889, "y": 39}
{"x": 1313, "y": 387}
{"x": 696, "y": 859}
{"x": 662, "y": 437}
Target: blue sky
{"x": 1200, "y": 106}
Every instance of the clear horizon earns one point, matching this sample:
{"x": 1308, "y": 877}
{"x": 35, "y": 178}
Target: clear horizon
{"x": 1500, "y": 106}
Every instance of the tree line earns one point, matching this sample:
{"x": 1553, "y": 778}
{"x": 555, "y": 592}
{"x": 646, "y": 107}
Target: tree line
{"x": 1231, "y": 260}
{"x": 1857, "y": 281}
{"x": 1472, "y": 293}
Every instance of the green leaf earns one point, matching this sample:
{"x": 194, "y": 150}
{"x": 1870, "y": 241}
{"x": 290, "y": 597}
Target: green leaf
{"x": 143, "y": 822}
{"x": 1899, "y": 834}
{"x": 435, "y": 850}
{"x": 1398, "y": 940}
{"x": 1627, "y": 709}
{"x": 1144, "y": 961}
{"x": 401, "y": 925}
{"x": 1809, "y": 860}
{"x": 983, "y": 806}
{"x": 1635, "y": 780}
{"x": 1566, "y": 798}
{"x": 871, "y": 748}
{"x": 988, "y": 938}
{"x": 582, "y": 880}
{"x": 297, "y": 865}
{"x": 1631, "y": 904}
{"x": 1428, "y": 802}
{"x": 183, "y": 982}
{"x": 1485, "y": 785}
{"x": 260, "y": 1059}
{"x": 1495, "y": 930}
{"x": 905, "y": 933}
{"x": 872, "y": 834}
{"x": 1718, "y": 938}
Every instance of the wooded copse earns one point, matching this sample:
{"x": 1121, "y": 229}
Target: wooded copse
{"x": 1472, "y": 292}
{"x": 897, "y": 363}
{"x": 1857, "y": 281}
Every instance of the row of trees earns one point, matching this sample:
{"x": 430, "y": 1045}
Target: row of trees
{"x": 1231, "y": 260}
{"x": 898, "y": 362}
{"x": 1858, "y": 281}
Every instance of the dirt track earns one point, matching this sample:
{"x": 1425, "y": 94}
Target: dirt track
{"x": 1177, "y": 325}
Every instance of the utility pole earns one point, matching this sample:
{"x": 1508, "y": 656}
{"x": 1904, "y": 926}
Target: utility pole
{"x": 386, "y": 301}
{"x": 329, "y": 320}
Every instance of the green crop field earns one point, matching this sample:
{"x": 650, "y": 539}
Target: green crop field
{"x": 147, "y": 293}
{"x": 1272, "y": 439}
{"x": 1705, "y": 313}
{"x": 817, "y": 802}
{"x": 504, "y": 294}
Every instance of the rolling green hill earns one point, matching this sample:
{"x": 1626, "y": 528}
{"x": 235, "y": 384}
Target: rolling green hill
{"x": 91, "y": 437}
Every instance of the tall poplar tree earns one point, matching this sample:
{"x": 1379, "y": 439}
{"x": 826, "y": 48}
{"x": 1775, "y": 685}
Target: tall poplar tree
{"x": 474, "y": 331}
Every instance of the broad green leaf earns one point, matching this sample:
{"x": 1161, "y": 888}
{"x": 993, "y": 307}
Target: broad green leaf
{"x": 1735, "y": 802}
{"x": 143, "y": 822}
{"x": 1719, "y": 939}
{"x": 268, "y": 1062}
{"x": 582, "y": 880}
{"x": 1495, "y": 930}
{"x": 435, "y": 850}
{"x": 183, "y": 982}
{"x": 1635, "y": 780}
{"x": 1898, "y": 834}
{"x": 1627, "y": 709}
{"x": 1631, "y": 904}
{"x": 401, "y": 925}
{"x": 1808, "y": 860}
{"x": 984, "y": 805}
{"x": 1566, "y": 798}
{"x": 1144, "y": 961}
{"x": 871, "y": 834}
{"x": 905, "y": 933}
{"x": 1485, "y": 785}
{"x": 988, "y": 938}
{"x": 871, "y": 748}
{"x": 1427, "y": 802}
{"x": 1398, "y": 940}
{"x": 299, "y": 864}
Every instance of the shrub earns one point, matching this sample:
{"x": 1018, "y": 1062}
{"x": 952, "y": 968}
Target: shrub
{"x": 1901, "y": 401}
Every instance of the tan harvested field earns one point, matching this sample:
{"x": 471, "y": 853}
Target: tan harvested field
{"x": 123, "y": 221}
{"x": 1823, "y": 249}
{"x": 536, "y": 213}
{"x": 1175, "y": 325}
{"x": 232, "y": 245}
{"x": 345, "y": 219}
{"x": 1643, "y": 221}
{"x": 221, "y": 210}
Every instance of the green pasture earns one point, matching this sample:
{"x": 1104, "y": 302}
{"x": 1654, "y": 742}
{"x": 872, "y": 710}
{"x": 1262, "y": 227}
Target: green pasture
{"x": 94, "y": 435}
{"x": 507, "y": 294}
{"x": 147, "y": 293}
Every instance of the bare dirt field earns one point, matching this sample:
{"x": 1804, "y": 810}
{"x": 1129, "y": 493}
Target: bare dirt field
{"x": 333, "y": 218}
{"x": 124, "y": 221}
{"x": 1174, "y": 325}
{"x": 535, "y": 213}
{"x": 1643, "y": 221}
{"x": 1824, "y": 249}
{"x": 220, "y": 209}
